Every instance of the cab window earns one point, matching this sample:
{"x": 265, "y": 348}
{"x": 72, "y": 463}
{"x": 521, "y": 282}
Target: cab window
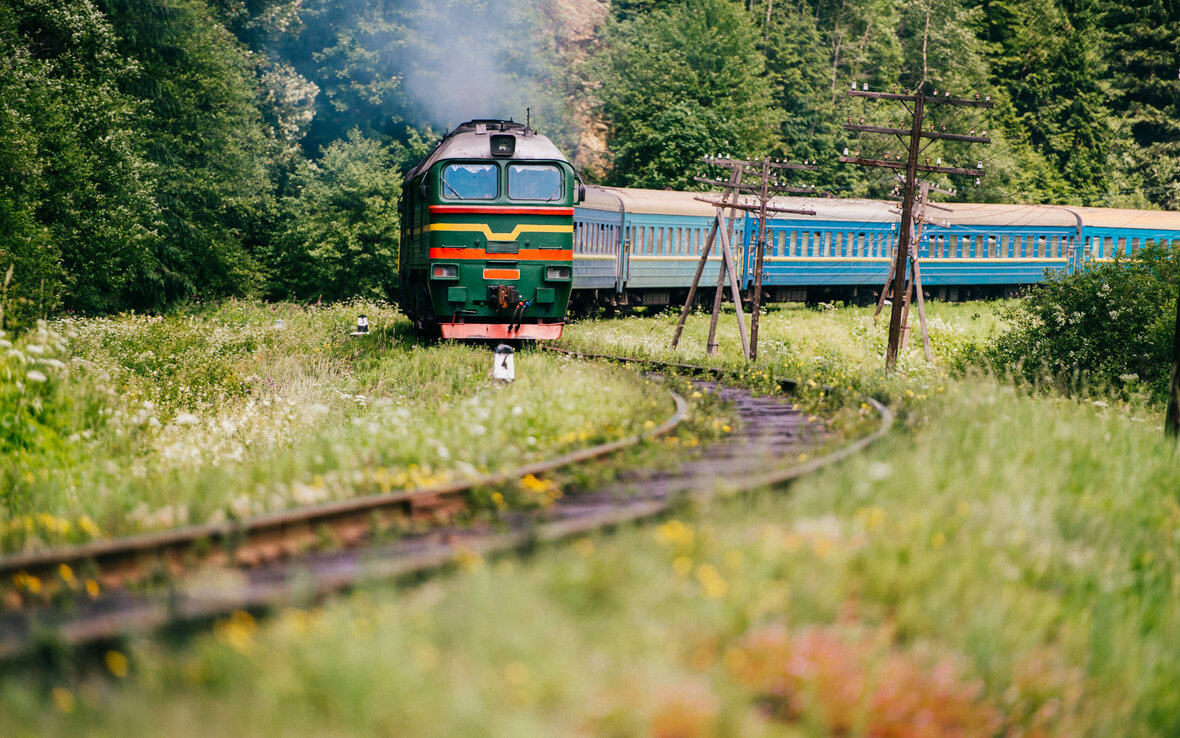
{"x": 470, "y": 182}
{"x": 543, "y": 182}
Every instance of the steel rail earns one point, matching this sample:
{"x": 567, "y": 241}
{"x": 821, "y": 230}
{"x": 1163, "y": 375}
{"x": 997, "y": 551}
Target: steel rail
{"x": 158, "y": 545}
{"x": 325, "y": 573}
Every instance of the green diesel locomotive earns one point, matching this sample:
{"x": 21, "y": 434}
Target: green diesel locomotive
{"x": 487, "y": 235}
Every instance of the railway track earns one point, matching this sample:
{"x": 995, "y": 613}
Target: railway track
{"x": 280, "y": 559}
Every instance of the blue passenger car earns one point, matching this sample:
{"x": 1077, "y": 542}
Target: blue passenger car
{"x": 642, "y": 247}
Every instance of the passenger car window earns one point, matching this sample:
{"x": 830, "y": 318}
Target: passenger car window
{"x": 470, "y": 182}
{"x": 535, "y": 182}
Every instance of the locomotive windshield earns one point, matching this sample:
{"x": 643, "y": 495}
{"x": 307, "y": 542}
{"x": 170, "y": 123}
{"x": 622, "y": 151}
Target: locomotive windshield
{"x": 470, "y": 182}
{"x": 535, "y": 182}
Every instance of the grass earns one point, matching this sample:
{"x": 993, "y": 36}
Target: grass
{"x": 1007, "y": 564}
{"x": 137, "y": 423}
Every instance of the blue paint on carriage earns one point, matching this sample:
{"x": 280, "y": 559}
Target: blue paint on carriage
{"x": 655, "y": 251}
{"x": 1104, "y": 242}
{"x": 663, "y": 250}
{"x": 597, "y": 246}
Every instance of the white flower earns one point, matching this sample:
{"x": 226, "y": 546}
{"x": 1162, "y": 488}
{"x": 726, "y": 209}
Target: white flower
{"x": 35, "y": 376}
{"x": 34, "y": 348}
{"x": 879, "y": 470}
{"x": 186, "y": 419}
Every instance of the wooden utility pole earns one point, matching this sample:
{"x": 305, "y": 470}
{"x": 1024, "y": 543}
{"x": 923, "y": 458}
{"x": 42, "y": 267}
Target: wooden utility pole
{"x": 911, "y": 166}
{"x": 765, "y": 190}
{"x": 914, "y": 289}
{"x": 1172, "y": 419}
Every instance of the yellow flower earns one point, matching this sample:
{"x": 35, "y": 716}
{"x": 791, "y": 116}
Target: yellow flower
{"x": 938, "y": 540}
{"x": 237, "y": 630}
{"x": 116, "y": 663}
{"x": 92, "y": 589}
{"x": 517, "y": 674}
{"x": 674, "y": 533}
{"x": 67, "y": 575}
{"x": 63, "y": 700}
{"x": 468, "y": 560}
{"x": 713, "y": 585}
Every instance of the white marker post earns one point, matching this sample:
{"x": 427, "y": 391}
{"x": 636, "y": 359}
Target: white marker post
{"x": 362, "y": 326}
{"x": 503, "y": 366}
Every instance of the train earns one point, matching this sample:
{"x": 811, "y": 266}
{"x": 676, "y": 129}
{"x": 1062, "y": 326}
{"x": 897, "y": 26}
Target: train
{"x": 487, "y": 223}
{"x": 635, "y": 247}
{"x": 500, "y": 240}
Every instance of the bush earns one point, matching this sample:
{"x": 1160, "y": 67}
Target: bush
{"x": 1110, "y": 326}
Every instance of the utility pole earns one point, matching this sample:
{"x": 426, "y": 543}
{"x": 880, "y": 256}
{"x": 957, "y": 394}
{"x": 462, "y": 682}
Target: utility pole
{"x": 765, "y": 190}
{"x": 1172, "y": 419}
{"x": 915, "y": 134}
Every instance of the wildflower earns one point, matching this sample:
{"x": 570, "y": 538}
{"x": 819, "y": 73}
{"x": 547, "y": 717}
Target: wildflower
{"x": 674, "y": 533}
{"x": 517, "y": 674}
{"x": 92, "y": 589}
{"x": 116, "y": 663}
{"x": 585, "y": 547}
{"x": 35, "y": 376}
{"x": 713, "y": 585}
{"x": 237, "y": 630}
{"x": 938, "y": 540}
{"x": 63, "y": 700}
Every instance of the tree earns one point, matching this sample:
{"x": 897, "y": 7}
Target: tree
{"x": 1049, "y": 60}
{"x": 1146, "y": 94}
{"x": 76, "y": 207}
{"x": 688, "y": 73}
{"x": 209, "y": 142}
{"x": 340, "y": 233}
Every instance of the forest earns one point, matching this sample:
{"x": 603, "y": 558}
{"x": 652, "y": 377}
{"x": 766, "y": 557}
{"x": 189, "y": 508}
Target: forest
{"x": 160, "y": 152}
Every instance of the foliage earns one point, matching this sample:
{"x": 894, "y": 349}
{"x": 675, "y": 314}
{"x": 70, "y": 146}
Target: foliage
{"x": 683, "y": 81}
{"x": 77, "y": 217}
{"x": 1111, "y": 325}
{"x": 340, "y": 232}
{"x": 208, "y": 142}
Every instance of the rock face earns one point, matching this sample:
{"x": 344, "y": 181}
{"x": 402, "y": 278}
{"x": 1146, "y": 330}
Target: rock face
{"x": 576, "y": 26}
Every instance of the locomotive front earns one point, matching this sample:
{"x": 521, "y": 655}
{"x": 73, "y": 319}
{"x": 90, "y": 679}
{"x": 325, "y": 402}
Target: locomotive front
{"x": 487, "y": 235}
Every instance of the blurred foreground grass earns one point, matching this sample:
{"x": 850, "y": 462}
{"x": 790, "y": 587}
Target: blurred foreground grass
{"x": 1006, "y": 565}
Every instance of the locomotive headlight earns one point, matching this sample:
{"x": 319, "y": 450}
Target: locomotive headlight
{"x": 444, "y": 271}
{"x": 558, "y": 273}
{"x": 503, "y": 145}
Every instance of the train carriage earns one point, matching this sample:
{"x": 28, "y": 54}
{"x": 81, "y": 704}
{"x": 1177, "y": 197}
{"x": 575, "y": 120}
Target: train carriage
{"x": 651, "y": 241}
{"x": 487, "y": 235}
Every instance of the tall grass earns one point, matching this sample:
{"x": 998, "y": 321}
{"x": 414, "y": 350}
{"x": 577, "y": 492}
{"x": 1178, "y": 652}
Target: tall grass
{"x": 1008, "y": 564}
{"x": 136, "y": 423}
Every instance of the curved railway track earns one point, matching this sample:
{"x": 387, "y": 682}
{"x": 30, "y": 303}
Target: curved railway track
{"x": 279, "y": 559}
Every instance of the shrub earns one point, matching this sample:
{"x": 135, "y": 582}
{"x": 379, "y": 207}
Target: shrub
{"x": 1110, "y": 325}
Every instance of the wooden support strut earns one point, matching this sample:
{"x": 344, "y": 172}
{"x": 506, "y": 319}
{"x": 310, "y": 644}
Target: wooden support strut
{"x": 735, "y": 179}
{"x": 721, "y": 226}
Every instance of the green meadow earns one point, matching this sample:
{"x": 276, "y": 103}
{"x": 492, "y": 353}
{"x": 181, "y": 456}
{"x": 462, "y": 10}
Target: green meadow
{"x": 1004, "y": 564}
